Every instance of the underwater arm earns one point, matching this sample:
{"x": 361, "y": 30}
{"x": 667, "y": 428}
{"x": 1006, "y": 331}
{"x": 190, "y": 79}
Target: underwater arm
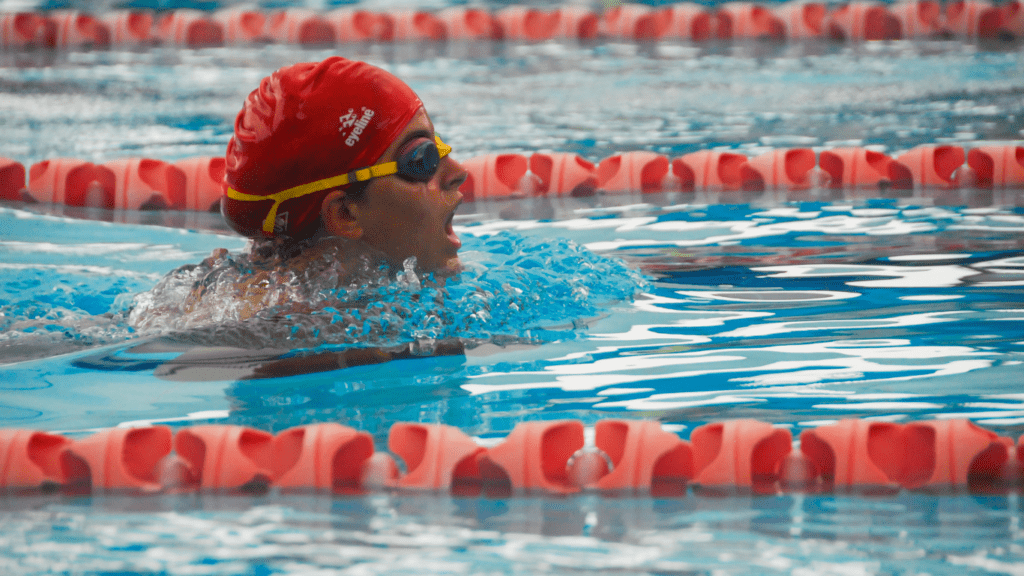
{"x": 327, "y": 361}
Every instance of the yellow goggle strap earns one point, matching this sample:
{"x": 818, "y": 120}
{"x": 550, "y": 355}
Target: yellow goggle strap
{"x": 360, "y": 175}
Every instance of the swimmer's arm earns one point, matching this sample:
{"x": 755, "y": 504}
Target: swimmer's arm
{"x": 327, "y": 361}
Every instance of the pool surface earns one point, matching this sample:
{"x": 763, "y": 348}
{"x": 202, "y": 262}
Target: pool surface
{"x": 896, "y": 306}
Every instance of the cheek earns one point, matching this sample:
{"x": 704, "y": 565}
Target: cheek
{"x": 401, "y": 218}
{"x": 397, "y": 203}
{"x": 411, "y": 213}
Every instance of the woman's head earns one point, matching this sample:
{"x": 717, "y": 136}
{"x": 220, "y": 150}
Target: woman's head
{"x": 404, "y": 215}
{"x": 303, "y": 132}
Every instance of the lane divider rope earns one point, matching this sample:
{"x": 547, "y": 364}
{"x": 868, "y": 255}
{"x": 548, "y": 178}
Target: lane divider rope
{"x": 195, "y": 184}
{"x": 863, "y": 20}
{"x": 544, "y": 457}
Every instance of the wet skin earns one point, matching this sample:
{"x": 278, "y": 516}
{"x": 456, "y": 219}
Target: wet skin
{"x": 394, "y": 216}
{"x": 400, "y": 217}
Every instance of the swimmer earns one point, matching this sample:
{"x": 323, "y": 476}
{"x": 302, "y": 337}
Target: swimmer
{"x": 332, "y": 164}
{"x": 343, "y": 149}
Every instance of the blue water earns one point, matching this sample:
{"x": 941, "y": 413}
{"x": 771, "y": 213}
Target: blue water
{"x": 797, "y": 314}
{"x": 794, "y": 311}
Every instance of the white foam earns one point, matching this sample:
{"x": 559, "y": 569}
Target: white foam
{"x": 881, "y": 406}
{"x": 899, "y": 276}
{"x": 645, "y": 332}
{"x": 648, "y": 364}
{"x": 653, "y": 403}
{"x": 932, "y": 297}
{"x": 1001, "y": 421}
{"x": 623, "y": 391}
{"x": 800, "y": 377}
{"x": 770, "y": 296}
{"x": 1000, "y": 284}
{"x": 684, "y": 233}
{"x": 775, "y": 328}
{"x": 787, "y": 212}
{"x": 81, "y": 269}
{"x": 926, "y": 257}
{"x": 192, "y": 416}
{"x": 88, "y": 249}
{"x": 983, "y": 414}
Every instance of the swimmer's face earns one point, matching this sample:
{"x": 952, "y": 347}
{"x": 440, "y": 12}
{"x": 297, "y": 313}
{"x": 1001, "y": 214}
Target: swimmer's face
{"x": 404, "y": 218}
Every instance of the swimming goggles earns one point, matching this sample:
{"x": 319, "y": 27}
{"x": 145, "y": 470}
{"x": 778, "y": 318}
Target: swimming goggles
{"x": 417, "y": 165}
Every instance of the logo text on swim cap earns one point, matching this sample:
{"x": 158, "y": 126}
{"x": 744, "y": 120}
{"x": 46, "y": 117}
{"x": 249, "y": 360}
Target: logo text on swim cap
{"x": 356, "y": 123}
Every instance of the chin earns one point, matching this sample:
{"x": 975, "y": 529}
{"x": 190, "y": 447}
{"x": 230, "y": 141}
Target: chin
{"x": 449, "y": 267}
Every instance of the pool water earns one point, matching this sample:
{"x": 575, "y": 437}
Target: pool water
{"x": 796, "y": 314}
{"x": 832, "y": 536}
{"x": 793, "y": 311}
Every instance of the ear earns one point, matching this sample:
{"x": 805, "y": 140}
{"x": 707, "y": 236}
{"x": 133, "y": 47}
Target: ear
{"x": 337, "y": 216}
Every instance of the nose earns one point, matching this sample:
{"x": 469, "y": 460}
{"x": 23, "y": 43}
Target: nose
{"x": 453, "y": 175}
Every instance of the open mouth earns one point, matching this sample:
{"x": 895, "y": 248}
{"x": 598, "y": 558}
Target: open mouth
{"x": 450, "y": 231}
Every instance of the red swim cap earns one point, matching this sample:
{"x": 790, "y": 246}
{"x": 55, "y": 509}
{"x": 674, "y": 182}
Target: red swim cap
{"x": 307, "y": 122}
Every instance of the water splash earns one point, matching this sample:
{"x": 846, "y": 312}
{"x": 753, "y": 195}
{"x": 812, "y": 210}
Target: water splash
{"x": 51, "y": 310}
{"x": 511, "y": 288}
